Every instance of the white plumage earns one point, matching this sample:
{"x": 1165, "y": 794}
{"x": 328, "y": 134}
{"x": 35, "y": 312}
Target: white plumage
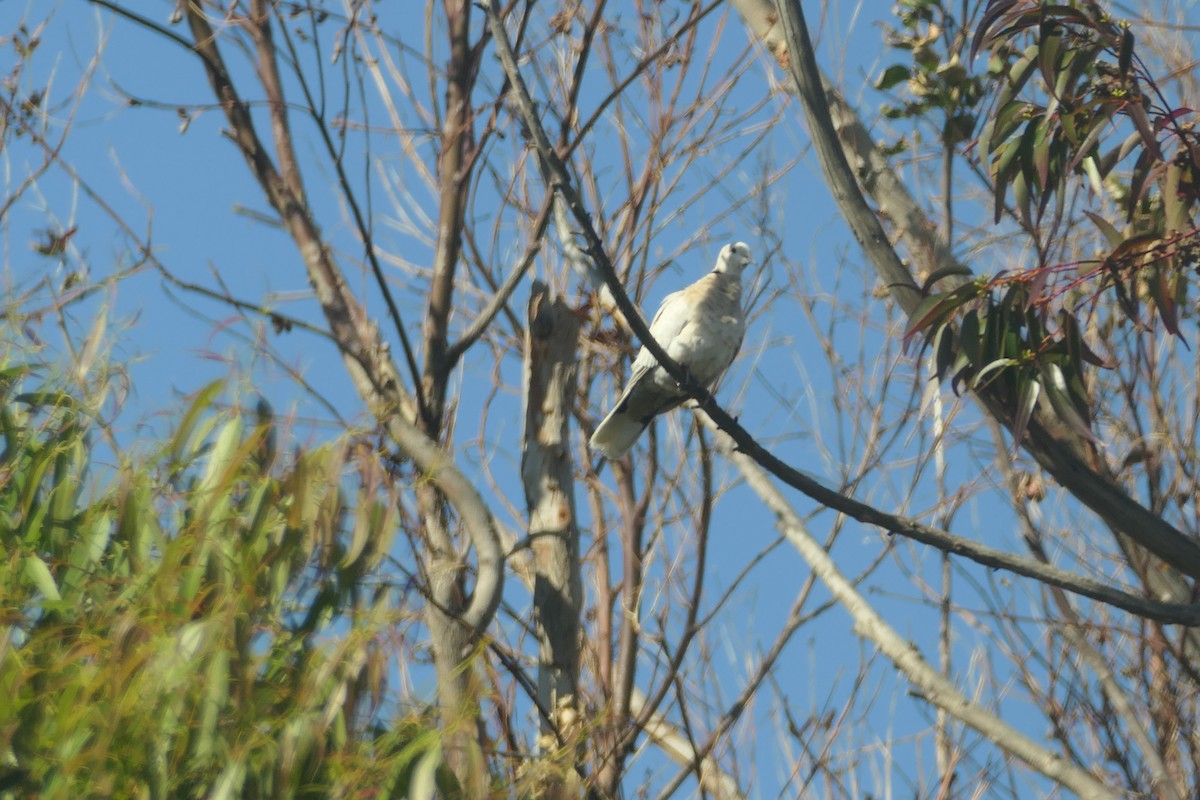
{"x": 701, "y": 328}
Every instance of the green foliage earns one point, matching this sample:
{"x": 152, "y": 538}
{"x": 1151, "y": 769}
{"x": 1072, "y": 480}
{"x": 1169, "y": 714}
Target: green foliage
{"x": 936, "y": 81}
{"x": 1075, "y": 103}
{"x": 1073, "y": 113}
{"x": 985, "y": 340}
{"x": 205, "y": 623}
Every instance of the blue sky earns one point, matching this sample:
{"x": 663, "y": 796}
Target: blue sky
{"x": 180, "y": 191}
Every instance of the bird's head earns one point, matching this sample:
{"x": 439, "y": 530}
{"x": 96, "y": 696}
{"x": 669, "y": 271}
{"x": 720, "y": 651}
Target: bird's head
{"x": 733, "y": 258}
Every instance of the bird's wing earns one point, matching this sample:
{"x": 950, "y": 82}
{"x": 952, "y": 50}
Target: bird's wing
{"x": 642, "y": 400}
{"x": 673, "y": 315}
{"x": 709, "y": 343}
{"x": 668, "y": 321}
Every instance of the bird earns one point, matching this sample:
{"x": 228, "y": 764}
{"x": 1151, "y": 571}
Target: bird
{"x": 701, "y": 328}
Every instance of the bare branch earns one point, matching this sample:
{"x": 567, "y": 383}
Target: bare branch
{"x": 933, "y": 686}
{"x": 360, "y": 222}
{"x": 713, "y": 780}
{"x": 485, "y": 317}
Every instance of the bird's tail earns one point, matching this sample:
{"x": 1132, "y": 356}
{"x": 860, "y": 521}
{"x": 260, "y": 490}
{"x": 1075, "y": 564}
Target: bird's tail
{"x": 617, "y": 433}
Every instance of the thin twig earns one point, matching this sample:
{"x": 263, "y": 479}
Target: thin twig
{"x": 485, "y": 317}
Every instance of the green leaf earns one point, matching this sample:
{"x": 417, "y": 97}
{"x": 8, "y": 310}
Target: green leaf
{"x": 69, "y": 463}
{"x": 231, "y": 781}
{"x": 1176, "y": 204}
{"x": 1077, "y": 349}
{"x": 223, "y": 462}
{"x": 1042, "y": 143}
{"x": 1060, "y": 401}
{"x": 1050, "y": 37}
{"x": 216, "y": 693}
{"x": 1088, "y": 145}
{"x": 91, "y": 347}
{"x": 1022, "y": 70}
{"x": 37, "y": 573}
{"x": 1002, "y": 125}
{"x": 1020, "y": 187}
{"x": 984, "y": 33}
{"x": 969, "y": 337}
{"x": 981, "y": 378}
{"x": 928, "y": 311}
{"x": 1163, "y": 294}
{"x": 962, "y": 371}
{"x": 1125, "y": 53}
{"x": 943, "y": 348}
{"x": 1138, "y": 181}
{"x": 1028, "y": 390}
{"x": 1111, "y": 234}
{"x": 183, "y": 433}
{"x": 360, "y": 535}
{"x": 896, "y": 73}
{"x": 424, "y": 775}
{"x": 1005, "y": 167}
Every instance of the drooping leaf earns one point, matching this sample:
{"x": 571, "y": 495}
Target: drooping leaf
{"x": 1077, "y": 349}
{"x": 1043, "y": 141}
{"x": 1021, "y": 189}
{"x": 1138, "y": 182}
{"x": 969, "y": 337}
{"x": 1057, "y": 393}
{"x": 1110, "y": 233}
{"x": 989, "y": 372}
{"x": 1125, "y": 52}
{"x": 1050, "y": 38}
{"x": 943, "y": 349}
{"x": 1085, "y": 148}
{"x": 1163, "y": 294}
{"x": 194, "y": 414}
{"x": 984, "y": 34}
{"x": 1000, "y": 126}
{"x": 930, "y": 310}
{"x": 1029, "y": 388}
{"x": 1141, "y": 121}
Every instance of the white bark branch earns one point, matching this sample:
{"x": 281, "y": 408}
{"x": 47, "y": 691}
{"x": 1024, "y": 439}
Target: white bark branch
{"x": 934, "y": 687}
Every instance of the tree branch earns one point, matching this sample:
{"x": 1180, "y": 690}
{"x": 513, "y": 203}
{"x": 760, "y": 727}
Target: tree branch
{"x": 360, "y": 223}
{"x": 932, "y": 685}
{"x": 502, "y": 294}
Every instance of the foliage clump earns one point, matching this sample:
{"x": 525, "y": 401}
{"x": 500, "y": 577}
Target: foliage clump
{"x": 204, "y": 622}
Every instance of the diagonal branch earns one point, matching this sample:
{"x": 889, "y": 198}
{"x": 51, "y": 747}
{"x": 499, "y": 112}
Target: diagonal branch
{"x": 360, "y": 223}
{"x": 501, "y": 296}
{"x": 561, "y": 183}
{"x": 931, "y": 684}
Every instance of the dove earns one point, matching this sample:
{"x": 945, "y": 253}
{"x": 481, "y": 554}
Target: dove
{"x": 701, "y": 328}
